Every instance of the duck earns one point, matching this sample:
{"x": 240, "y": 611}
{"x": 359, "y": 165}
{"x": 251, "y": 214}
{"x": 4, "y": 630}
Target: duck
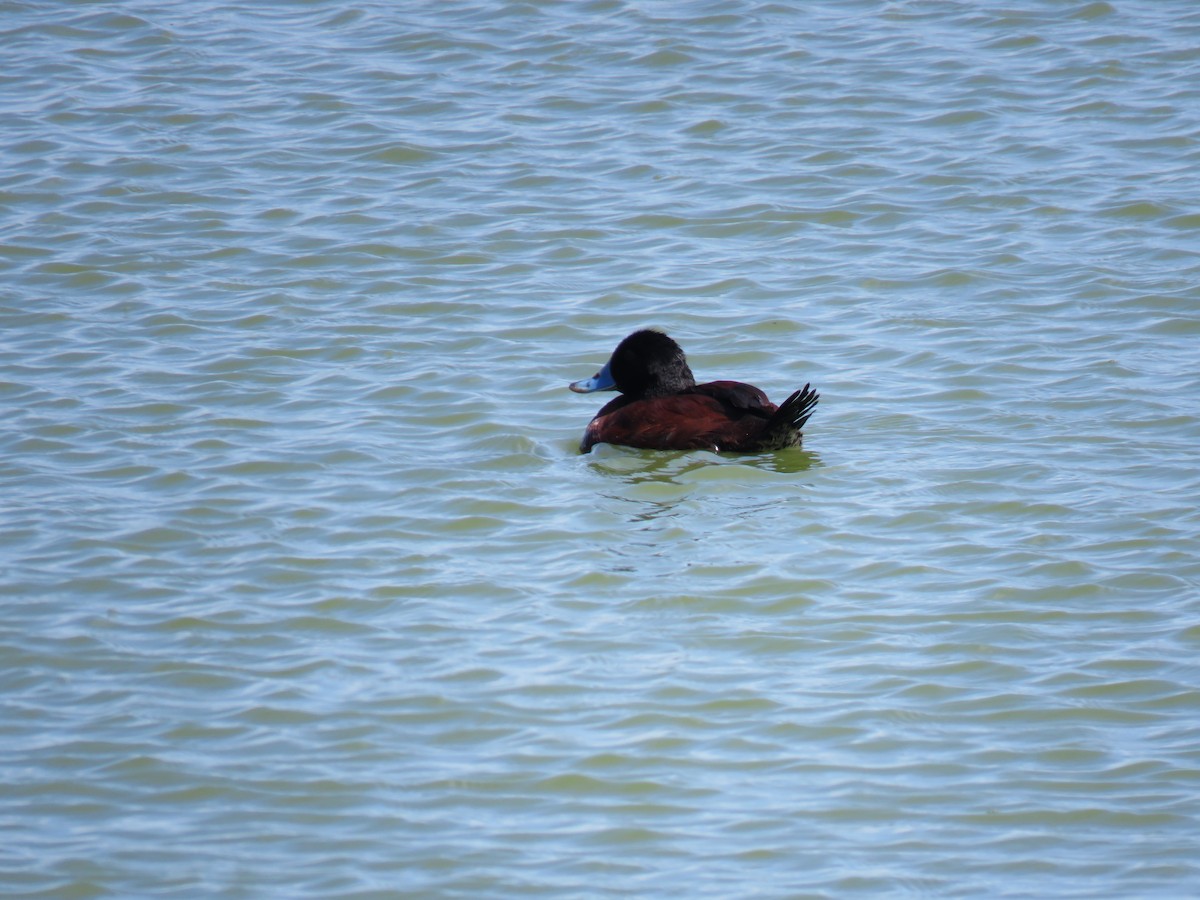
{"x": 662, "y": 408}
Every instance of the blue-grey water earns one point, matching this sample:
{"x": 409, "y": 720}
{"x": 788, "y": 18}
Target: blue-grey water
{"x": 308, "y": 593}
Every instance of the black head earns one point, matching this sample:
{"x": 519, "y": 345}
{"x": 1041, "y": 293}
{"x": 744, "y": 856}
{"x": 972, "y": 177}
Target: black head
{"x": 645, "y": 364}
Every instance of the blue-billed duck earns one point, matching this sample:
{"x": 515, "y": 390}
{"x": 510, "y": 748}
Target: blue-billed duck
{"x": 662, "y": 408}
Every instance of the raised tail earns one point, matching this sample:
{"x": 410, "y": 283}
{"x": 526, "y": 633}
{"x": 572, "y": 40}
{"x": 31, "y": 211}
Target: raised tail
{"x": 783, "y": 430}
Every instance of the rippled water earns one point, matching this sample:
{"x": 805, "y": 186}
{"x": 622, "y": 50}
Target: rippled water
{"x": 308, "y": 593}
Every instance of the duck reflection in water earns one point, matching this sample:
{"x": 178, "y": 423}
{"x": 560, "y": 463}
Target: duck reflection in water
{"x": 662, "y": 408}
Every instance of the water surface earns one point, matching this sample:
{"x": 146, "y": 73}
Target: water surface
{"x": 307, "y": 591}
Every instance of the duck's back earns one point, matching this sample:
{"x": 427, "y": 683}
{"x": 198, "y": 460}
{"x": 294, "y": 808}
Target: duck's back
{"x": 719, "y": 415}
{"x": 736, "y": 395}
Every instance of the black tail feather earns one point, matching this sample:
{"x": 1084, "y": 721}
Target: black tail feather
{"x": 784, "y": 428}
{"x": 799, "y": 406}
